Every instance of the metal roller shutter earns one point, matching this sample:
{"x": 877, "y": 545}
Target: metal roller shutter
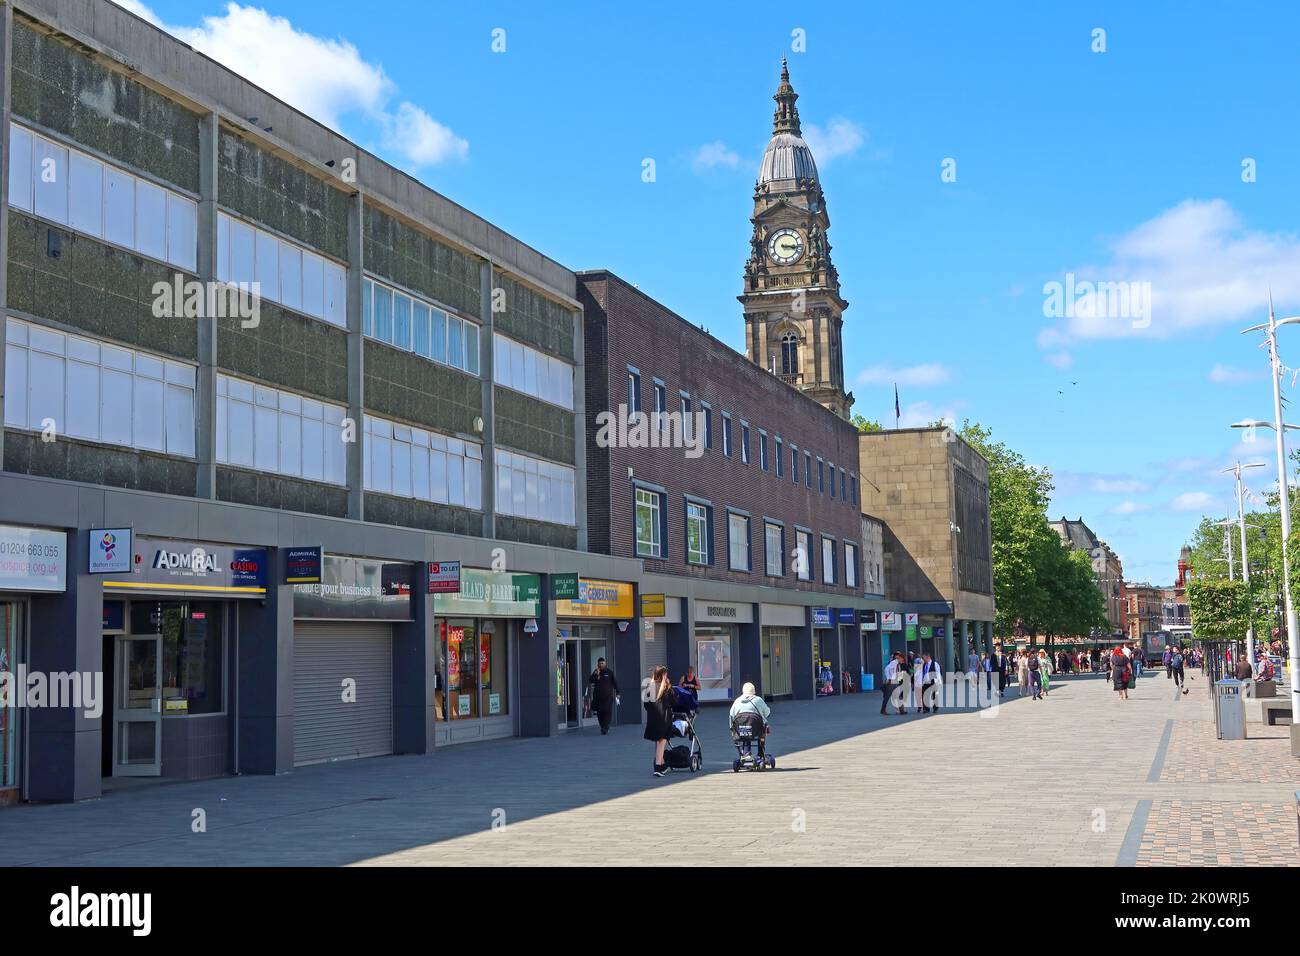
{"x": 324, "y": 727}
{"x": 654, "y": 653}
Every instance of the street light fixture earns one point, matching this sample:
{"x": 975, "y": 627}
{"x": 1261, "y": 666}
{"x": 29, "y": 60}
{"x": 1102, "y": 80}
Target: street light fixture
{"x": 1236, "y": 470}
{"x": 1283, "y": 491}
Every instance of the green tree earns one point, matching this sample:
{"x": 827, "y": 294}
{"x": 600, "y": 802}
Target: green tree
{"x": 864, "y": 424}
{"x": 1219, "y": 608}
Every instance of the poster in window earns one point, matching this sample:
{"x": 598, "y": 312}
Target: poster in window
{"x": 485, "y": 660}
{"x": 455, "y": 635}
{"x": 710, "y": 660}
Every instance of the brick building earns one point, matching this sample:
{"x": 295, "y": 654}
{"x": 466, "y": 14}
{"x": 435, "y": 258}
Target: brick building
{"x": 722, "y": 534}
{"x": 1107, "y": 570}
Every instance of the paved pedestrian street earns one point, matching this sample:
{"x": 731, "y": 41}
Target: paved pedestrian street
{"x": 1079, "y": 778}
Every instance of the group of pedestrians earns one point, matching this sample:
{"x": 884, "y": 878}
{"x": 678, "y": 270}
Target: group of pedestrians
{"x": 921, "y": 672}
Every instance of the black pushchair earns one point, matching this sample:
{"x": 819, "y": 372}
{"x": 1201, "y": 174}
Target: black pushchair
{"x": 687, "y": 756}
{"x": 749, "y": 734}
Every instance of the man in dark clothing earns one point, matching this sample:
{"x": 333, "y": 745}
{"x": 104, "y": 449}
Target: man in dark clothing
{"x": 999, "y": 665}
{"x": 1244, "y": 671}
{"x": 604, "y": 693}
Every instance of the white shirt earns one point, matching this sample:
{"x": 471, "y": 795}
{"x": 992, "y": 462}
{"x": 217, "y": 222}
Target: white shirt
{"x": 891, "y": 671}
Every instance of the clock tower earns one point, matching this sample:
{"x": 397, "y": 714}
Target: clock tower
{"x": 793, "y": 309}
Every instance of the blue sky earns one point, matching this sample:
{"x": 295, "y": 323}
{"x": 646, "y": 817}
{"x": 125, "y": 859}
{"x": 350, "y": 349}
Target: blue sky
{"x": 1123, "y": 165}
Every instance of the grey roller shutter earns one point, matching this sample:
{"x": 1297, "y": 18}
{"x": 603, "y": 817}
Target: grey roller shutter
{"x": 654, "y": 653}
{"x": 324, "y": 727}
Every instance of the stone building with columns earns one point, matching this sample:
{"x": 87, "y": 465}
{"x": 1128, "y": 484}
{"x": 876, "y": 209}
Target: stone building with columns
{"x": 930, "y": 488}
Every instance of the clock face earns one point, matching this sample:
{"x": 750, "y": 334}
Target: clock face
{"x": 785, "y": 246}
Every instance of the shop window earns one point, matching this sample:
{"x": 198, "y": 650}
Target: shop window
{"x": 10, "y": 615}
{"x": 493, "y": 668}
{"x": 191, "y": 664}
{"x": 774, "y": 548}
{"x": 461, "y": 651}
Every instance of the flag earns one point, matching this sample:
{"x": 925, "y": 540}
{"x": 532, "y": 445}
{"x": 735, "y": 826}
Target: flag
{"x": 897, "y": 411}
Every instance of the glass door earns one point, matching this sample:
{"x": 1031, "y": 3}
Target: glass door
{"x": 137, "y": 718}
{"x": 592, "y": 651}
{"x": 562, "y": 683}
{"x": 573, "y": 685}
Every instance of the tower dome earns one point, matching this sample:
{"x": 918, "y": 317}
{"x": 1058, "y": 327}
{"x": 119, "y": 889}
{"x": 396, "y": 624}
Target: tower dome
{"x": 787, "y": 155}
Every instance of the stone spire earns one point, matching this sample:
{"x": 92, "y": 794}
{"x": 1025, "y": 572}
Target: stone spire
{"x": 786, "y": 117}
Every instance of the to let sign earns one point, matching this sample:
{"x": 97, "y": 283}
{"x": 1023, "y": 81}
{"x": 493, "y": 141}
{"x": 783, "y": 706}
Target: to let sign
{"x": 444, "y": 577}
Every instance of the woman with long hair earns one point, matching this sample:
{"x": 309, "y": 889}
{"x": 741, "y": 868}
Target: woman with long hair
{"x": 659, "y": 715}
{"x": 1120, "y": 670}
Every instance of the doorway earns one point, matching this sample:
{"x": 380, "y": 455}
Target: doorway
{"x": 137, "y": 711}
{"x": 578, "y": 648}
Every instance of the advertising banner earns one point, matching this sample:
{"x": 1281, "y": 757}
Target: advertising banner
{"x": 192, "y": 567}
{"x": 33, "y": 559}
{"x": 356, "y": 589}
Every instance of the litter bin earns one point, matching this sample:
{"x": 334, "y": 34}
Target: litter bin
{"x": 868, "y": 681}
{"x": 1230, "y": 712}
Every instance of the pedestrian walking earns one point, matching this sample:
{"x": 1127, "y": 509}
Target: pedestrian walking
{"x": 999, "y": 664}
{"x": 895, "y": 684}
{"x": 1176, "y": 667}
{"x": 1035, "y": 676}
{"x": 986, "y": 668}
{"x": 1120, "y": 671}
{"x": 930, "y": 677}
{"x": 1022, "y": 672}
{"x": 603, "y": 686}
{"x": 659, "y": 715}
{"x": 1045, "y": 671}
{"x": 1167, "y": 659}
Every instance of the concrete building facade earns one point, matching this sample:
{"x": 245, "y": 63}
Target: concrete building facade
{"x": 930, "y": 488}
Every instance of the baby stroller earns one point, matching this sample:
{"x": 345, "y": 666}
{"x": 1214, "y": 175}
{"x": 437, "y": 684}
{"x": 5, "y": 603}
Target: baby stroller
{"x": 687, "y": 756}
{"x": 749, "y": 734}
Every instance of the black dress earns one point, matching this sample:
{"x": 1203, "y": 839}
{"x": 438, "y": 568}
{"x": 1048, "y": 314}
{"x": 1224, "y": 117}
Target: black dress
{"x": 659, "y": 718}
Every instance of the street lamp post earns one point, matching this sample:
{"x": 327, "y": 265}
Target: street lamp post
{"x": 1245, "y": 553}
{"x": 1284, "y": 492}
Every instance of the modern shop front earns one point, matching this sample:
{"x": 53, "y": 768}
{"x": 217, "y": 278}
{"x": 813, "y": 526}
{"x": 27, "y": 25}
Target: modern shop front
{"x": 343, "y": 657}
{"x": 659, "y": 613}
{"x": 170, "y": 629}
{"x": 715, "y": 646}
{"x": 584, "y": 633}
{"x": 33, "y": 561}
{"x": 826, "y": 651}
{"x": 478, "y": 631}
{"x": 779, "y": 622}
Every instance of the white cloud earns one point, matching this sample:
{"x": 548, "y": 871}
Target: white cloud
{"x": 1129, "y": 508}
{"x": 1082, "y": 482}
{"x": 840, "y": 137}
{"x": 1204, "y": 267}
{"x": 326, "y": 78}
{"x": 914, "y": 375}
{"x": 421, "y": 138}
{"x": 1061, "y": 360}
{"x": 921, "y": 414}
{"x": 714, "y": 155}
{"x": 1191, "y": 501}
{"x": 1229, "y": 375}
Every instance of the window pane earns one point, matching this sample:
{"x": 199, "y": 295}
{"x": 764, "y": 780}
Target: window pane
{"x": 438, "y": 476}
{"x": 401, "y": 321}
{"x": 290, "y": 444}
{"x": 83, "y": 400}
{"x": 150, "y": 220}
{"x": 383, "y": 313}
{"x": 180, "y": 420}
{"x": 455, "y": 343}
{"x": 51, "y": 169}
{"x": 336, "y": 294}
{"x": 45, "y": 390}
{"x": 438, "y": 335}
{"x": 182, "y": 232}
{"x": 86, "y": 199}
{"x": 119, "y": 208}
{"x": 471, "y": 348}
{"x": 313, "y": 449}
{"x": 402, "y": 468}
{"x": 147, "y": 415}
{"x": 242, "y": 257}
{"x": 335, "y": 459}
{"x": 267, "y": 250}
{"x": 420, "y": 329}
{"x": 291, "y": 276}
{"x": 240, "y": 432}
{"x": 313, "y": 284}
{"x": 116, "y": 400}
{"x": 420, "y": 473}
{"x": 473, "y": 483}
{"x": 266, "y": 441}
{"x": 16, "y": 386}
{"x": 530, "y": 372}
{"x": 20, "y": 168}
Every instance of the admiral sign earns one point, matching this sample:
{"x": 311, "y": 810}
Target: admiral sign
{"x": 161, "y": 564}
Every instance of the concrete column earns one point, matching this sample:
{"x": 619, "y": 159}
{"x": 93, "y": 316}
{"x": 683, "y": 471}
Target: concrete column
{"x": 949, "y": 659}
{"x": 627, "y": 660}
{"x": 487, "y": 354}
{"x": 537, "y": 713}
{"x": 747, "y": 661}
{"x": 63, "y": 744}
{"x": 964, "y": 649}
{"x": 851, "y": 640}
{"x": 356, "y": 358}
{"x": 264, "y": 676}
{"x": 679, "y": 640}
{"x": 205, "y": 399}
{"x": 6, "y": 61}
{"x": 414, "y": 657}
{"x": 801, "y": 651}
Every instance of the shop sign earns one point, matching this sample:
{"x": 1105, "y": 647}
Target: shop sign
{"x": 869, "y": 622}
{"x": 162, "y": 564}
{"x": 890, "y": 621}
{"x": 912, "y": 620}
{"x": 530, "y": 626}
{"x": 444, "y": 577}
{"x": 33, "y": 559}
{"x": 939, "y": 632}
{"x": 821, "y": 617}
{"x": 302, "y": 565}
{"x": 564, "y": 587}
{"x": 356, "y": 589}
{"x": 653, "y": 605}
{"x": 110, "y": 551}
{"x": 491, "y": 594}
{"x": 604, "y": 599}
{"x": 846, "y": 615}
{"x": 925, "y": 630}
{"x": 723, "y": 613}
